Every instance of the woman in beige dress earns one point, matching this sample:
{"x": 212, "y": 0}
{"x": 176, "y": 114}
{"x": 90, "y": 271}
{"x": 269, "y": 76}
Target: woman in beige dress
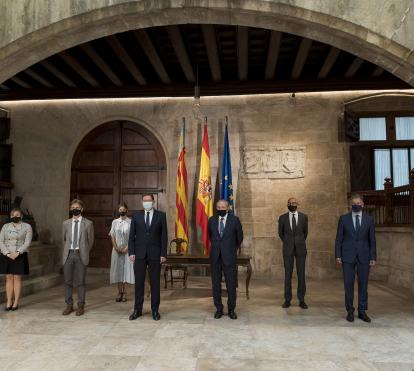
{"x": 15, "y": 239}
{"x": 122, "y": 269}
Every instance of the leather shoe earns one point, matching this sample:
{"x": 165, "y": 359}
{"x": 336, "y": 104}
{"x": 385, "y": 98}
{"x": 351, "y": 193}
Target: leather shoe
{"x": 364, "y": 317}
{"x": 14, "y": 308}
{"x": 80, "y": 310}
{"x": 286, "y": 304}
{"x": 68, "y": 310}
{"x": 8, "y": 309}
{"x": 232, "y": 314}
{"x": 156, "y": 316}
{"x": 218, "y": 314}
{"x": 350, "y": 317}
{"x": 135, "y": 314}
{"x": 303, "y": 305}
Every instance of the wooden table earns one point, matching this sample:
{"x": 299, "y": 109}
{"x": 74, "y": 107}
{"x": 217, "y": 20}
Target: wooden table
{"x": 242, "y": 260}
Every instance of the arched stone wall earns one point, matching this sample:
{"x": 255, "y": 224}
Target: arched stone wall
{"x": 381, "y": 35}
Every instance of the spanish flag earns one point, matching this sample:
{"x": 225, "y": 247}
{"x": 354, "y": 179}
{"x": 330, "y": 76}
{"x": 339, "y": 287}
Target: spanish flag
{"x": 181, "y": 196}
{"x": 204, "y": 207}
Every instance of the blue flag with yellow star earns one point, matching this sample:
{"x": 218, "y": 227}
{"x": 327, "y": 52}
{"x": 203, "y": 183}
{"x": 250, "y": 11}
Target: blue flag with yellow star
{"x": 226, "y": 184}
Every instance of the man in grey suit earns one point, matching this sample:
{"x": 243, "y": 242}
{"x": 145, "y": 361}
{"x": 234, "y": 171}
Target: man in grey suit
{"x": 293, "y": 231}
{"x": 77, "y": 240}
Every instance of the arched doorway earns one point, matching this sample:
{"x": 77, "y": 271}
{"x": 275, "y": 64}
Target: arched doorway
{"x": 116, "y": 162}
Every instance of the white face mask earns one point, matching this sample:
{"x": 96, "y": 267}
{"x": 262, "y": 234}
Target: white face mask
{"x": 147, "y": 205}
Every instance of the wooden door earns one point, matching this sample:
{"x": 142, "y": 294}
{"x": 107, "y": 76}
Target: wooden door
{"x": 117, "y": 162}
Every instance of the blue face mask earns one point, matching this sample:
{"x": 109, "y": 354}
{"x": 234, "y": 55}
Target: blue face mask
{"x": 356, "y": 208}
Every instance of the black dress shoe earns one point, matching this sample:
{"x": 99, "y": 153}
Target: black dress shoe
{"x": 8, "y": 309}
{"x": 286, "y": 304}
{"x": 232, "y": 314}
{"x": 218, "y": 314}
{"x": 303, "y": 305}
{"x": 364, "y": 317}
{"x": 350, "y": 317}
{"x": 156, "y": 316}
{"x": 14, "y": 308}
{"x": 135, "y": 314}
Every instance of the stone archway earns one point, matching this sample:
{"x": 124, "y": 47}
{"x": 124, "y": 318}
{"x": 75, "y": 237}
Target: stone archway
{"x": 356, "y": 31}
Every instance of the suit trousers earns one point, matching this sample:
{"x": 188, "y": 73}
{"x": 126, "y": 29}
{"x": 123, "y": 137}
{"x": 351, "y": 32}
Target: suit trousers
{"x": 154, "y": 270}
{"x": 230, "y": 274}
{"x": 74, "y": 272}
{"x": 289, "y": 261}
{"x": 362, "y": 271}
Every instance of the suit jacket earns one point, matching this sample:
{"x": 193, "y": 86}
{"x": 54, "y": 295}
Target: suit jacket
{"x": 297, "y": 239}
{"x": 350, "y": 245}
{"x": 229, "y": 243}
{"x": 86, "y": 239}
{"x": 151, "y": 243}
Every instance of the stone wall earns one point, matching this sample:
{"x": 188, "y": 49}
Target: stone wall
{"x": 32, "y": 30}
{"x": 45, "y": 136}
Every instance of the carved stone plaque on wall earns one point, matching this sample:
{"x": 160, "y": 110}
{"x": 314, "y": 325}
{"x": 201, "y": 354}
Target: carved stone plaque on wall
{"x": 273, "y": 162}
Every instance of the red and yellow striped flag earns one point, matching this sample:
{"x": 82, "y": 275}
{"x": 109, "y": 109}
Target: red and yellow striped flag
{"x": 181, "y": 198}
{"x": 204, "y": 207}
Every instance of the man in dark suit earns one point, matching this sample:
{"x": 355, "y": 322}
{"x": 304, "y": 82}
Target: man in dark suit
{"x": 147, "y": 247}
{"x": 293, "y": 231}
{"x": 355, "y": 250}
{"x": 226, "y": 235}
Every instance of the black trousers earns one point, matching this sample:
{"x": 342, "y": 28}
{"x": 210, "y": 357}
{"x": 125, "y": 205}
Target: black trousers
{"x": 230, "y": 275}
{"x": 362, "y": 271}
{"x": 289, "y": 261}
{"x": 154, "y": 270}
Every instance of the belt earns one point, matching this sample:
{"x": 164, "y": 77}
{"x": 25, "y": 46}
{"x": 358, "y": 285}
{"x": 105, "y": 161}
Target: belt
{"x": 74, "y": 251}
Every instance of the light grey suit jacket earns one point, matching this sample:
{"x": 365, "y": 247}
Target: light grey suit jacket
{"x": 86, "y": 238}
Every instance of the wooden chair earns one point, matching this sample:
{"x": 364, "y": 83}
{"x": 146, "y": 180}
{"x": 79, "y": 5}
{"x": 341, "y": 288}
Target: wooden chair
{"x": 170, "y": 268}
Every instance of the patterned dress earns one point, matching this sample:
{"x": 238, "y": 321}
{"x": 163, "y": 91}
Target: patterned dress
{"x": 122, "y": 269}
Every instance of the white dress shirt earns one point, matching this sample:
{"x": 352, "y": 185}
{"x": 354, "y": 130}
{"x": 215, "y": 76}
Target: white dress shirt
{"x": 296, "y": 217}
{"x": 354, "y": 219}
{"x": 73, "y": 232}
{"x": 151, "y": 214}
{"x": 224, "y": 218}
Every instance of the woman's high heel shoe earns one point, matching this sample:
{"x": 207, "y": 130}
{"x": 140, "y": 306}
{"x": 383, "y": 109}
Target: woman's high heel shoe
{"x": 124, "y": 299}
{"x": 7, "y": 309}
{"x": 119, "y": 298}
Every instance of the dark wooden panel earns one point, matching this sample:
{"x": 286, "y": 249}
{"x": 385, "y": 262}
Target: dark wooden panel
{"x": 140, "y": 158}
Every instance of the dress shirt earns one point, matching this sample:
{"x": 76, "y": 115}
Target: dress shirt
{"x": 224, "y": 221}
{"x": 296, "y": 217}
{"x": 354, "y": 219}
{"x": 151, "y": 214}
{"x": 73, "y": 231}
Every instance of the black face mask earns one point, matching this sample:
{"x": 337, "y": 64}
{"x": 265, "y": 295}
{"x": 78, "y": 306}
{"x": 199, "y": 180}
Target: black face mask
{"x": 75, "y": 212}
{"x": 16, "y": 219}
{"x": 221, "y": 213}
{"x": 292, "y": 208}
{"x": 122, "y": 213}
{"x": 356, "y": 208}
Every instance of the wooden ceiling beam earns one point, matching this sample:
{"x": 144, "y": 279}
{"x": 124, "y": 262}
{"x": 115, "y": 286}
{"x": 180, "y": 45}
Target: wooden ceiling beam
{"x": 144, "y": 40}
{"x": 242, "y": 52}
{"x": 77, "y": 67}
{"x": 354, "y": 67}
{"x": 272, "y": 54}
{"x": 181, "y": 52}
{"x": 329, "y": 62}
{"x": 125, "y": 58}
{"x": 34, "y": 75}
{"x": 300, "y": 59}
{"x": 209, "y": 35}
{"x": 57, "y": 73}
{"x": 20, "y": 82}
{"x": 98, "y": 61}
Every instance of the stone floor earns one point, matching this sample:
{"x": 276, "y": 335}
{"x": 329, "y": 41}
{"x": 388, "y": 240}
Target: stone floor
{"x": 265, "y": 337}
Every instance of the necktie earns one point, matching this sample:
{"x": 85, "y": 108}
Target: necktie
{"x": 75, "y": 235}
{"x": 357, "y": 223}
{"x": 293, "y": 222}
{"x": 147, "y": 220}
{"x": 221, "y": 230}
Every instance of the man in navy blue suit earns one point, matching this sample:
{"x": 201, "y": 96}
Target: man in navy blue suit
{"x": 226, "y": 235}
{"x": 355, "y": 249}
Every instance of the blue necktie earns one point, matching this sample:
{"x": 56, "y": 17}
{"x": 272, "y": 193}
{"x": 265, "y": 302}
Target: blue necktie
{"x": 357, "y": 223}
{"x": 221, "y": 231}
{"x": 147, "y": 221}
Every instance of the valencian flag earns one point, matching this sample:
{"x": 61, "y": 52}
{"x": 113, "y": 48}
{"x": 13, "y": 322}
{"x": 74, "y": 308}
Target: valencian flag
{"x": 181, "y": 196}
{"x": 204, "y": 207}
{"x": 226, "y": 184}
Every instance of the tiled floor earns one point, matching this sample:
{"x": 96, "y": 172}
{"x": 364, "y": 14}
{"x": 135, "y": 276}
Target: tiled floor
{"x": 265, "y": 337}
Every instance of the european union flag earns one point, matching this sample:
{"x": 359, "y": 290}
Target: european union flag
{"x": 226, "y": 184}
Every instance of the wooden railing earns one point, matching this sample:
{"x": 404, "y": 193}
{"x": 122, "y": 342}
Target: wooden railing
{"x": 393, "y": 206}
{"x": 5, "y": 197}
